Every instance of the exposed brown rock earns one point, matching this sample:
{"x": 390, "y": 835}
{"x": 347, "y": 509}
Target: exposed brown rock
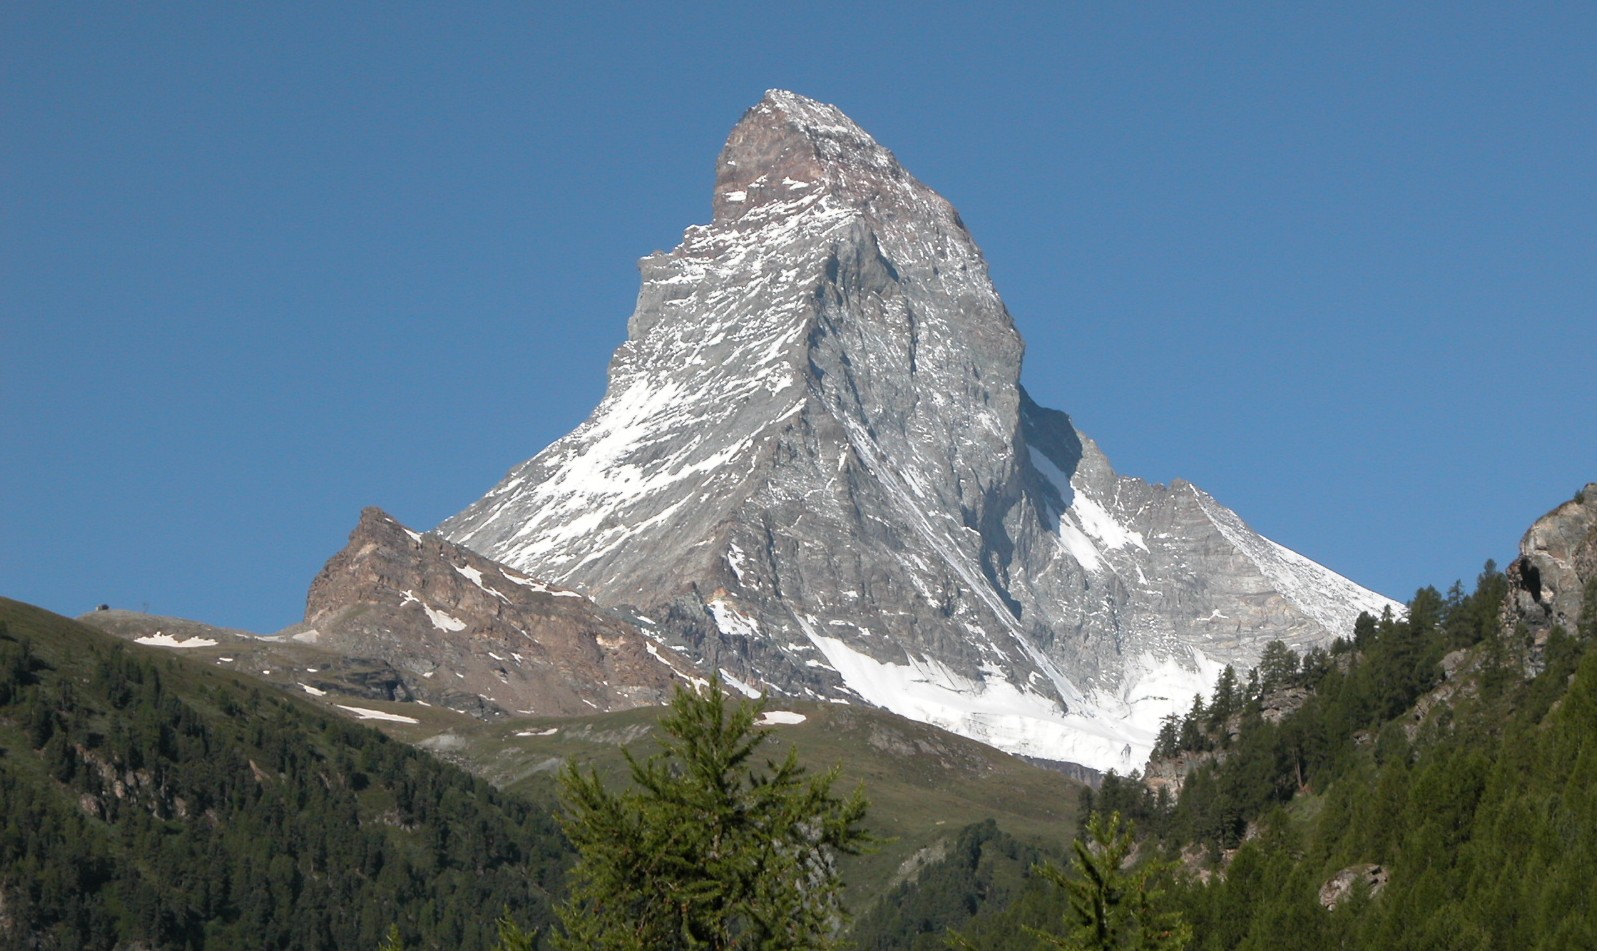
{"x": 466, "y": 632}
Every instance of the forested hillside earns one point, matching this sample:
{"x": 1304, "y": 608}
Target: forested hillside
{"x": 152, "y": 802}
{"x": 1427, "y": 784}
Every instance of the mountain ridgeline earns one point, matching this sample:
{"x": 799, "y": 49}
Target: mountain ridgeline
{"x": 815, "y": 470}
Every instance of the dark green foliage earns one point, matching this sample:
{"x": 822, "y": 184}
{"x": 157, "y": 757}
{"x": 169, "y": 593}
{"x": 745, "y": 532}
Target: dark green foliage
{"x": 1227, "y": 700}
{"x": 982, "y": 868}
{"x": 1115, "y": 895}
{"x": 1278, "y": 667}
{"x": 708, "y": 849}
{"x": 1113, "y": 901}
{"x": 146, "y": 800}
{"x": 1483, "y": 817}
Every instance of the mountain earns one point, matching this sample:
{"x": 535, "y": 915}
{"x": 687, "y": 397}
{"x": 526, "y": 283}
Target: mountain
{"x": 815, "y": 470}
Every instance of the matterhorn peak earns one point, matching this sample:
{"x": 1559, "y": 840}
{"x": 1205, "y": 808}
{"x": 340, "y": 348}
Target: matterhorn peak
{"x": 789, "y": 147}
{"x": 815, "y": 469}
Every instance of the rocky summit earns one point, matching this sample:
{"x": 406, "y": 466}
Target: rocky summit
{"x": 815, "y": 470}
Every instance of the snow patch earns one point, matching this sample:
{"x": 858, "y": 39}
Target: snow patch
{"x": 731, "y": 622}
{"x": 1151, "y": 688}
{"x": 539, "y": 586}
{"x": 1002, "y": 714}
{"x": 475, "y": 577}
{"x": 1096, "y": 521}
{"x": 161, "y": 639}
{"x": 735, "y": 560}
{"x": 366, "y": 714}
{"x": 739, "y": 686}
{"x": 313, "y": 691}
{"x": 443, "y": 620}
{"x": 780, "y": 718}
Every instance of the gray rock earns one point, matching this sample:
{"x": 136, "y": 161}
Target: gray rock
{"x": 1557, "y": 559}
{"x": 816, "y": 469}
{"x": 1547, "y": 583}
{"x": 1338, "y": 887}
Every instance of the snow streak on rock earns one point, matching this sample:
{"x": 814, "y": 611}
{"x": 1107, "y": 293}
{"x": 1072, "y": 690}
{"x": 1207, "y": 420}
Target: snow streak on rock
{"x": 816, "y": 467}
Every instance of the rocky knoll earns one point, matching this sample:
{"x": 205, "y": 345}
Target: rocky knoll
{"x": 469, "y": 633}
{"x": 1549, "y": 583}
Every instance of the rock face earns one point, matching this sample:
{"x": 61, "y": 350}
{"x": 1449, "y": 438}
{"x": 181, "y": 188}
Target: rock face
{"x": 816, "y": 468}
{"x": 1340, "y": 886}
{"x": 1557, "y": 562}
{"x": 468, "y": 633}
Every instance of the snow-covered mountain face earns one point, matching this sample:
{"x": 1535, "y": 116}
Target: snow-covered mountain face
{"x": 816, "y": 470}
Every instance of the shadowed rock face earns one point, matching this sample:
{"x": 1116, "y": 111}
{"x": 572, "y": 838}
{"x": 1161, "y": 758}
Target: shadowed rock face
{"x": 816, "y": 468}
{"x": 471, "y": 634}
{"x": 1557, "y": 560}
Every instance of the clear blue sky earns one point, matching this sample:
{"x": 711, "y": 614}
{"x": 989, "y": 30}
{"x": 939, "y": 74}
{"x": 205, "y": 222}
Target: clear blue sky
{"x": 262, "y": 265}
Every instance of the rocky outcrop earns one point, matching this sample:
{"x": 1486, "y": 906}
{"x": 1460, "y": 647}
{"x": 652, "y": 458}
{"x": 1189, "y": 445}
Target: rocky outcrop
{"x": 468, "y": 633}
{"x": 1549, "y": 582}
{"x": 816, "y": 468}
{"x": 1339, "y": 886}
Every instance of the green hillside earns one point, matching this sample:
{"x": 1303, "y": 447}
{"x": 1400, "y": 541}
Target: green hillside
{"x": 1439, "y": 766}
{"x": 924, "y": 784}
{"x": 153, "y": 802}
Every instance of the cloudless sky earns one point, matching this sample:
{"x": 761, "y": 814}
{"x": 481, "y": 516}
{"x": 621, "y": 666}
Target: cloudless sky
{"x": 264, "y": 264}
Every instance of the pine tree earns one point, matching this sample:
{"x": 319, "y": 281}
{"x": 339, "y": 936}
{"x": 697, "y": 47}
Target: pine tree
{"x": 512, "y": 937}
{"x": 1113, "y": 903}
{"x": 1166, "y": 745}
{"x": 1191, "y": 733}
{"x": 1278, "y": 667}
{"x": 706, "y": 849}
{"x": 1226, "y": 701}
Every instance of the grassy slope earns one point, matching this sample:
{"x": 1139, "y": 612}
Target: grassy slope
{"x": 924, "y": 784}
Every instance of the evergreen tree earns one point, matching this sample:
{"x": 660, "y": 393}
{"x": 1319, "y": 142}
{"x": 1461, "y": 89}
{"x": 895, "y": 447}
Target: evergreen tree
{"x": 1168, "y": 742}
{"x": 1191, "y": 734}
{"x": 1113, "y": 904}
{"x": 1227, "y": 700}
{"x": 1278, "y": 667}
{"x": 708, "y": 850}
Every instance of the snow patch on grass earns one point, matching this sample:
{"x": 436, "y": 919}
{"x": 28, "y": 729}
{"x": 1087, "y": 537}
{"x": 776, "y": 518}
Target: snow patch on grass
{"x": 161, "y": 639}
{"x": 366, "y": 714}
